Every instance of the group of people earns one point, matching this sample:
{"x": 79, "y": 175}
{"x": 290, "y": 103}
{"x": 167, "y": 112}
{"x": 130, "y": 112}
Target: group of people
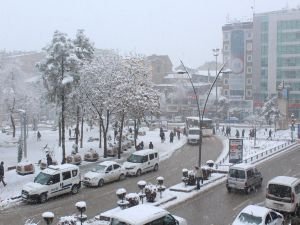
{"x": 173, "y": 133}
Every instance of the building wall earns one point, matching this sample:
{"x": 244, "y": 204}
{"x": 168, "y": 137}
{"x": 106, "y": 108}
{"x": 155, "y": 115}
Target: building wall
{"x": 161, "y": 65}
{"x": 277, "y": 55}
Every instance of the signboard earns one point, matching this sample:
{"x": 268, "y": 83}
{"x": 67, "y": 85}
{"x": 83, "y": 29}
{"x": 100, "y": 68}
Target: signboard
{"x": 235, "y": 150}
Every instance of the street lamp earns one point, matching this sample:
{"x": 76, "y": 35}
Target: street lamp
{"x": 293, "y": 120}
{"x": 48, "y": 217}
{"x": 201, "y": 116}
{"x": 216, "y": 54}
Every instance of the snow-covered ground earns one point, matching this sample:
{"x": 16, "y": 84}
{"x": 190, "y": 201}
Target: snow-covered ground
{"x": 8, "y": 150}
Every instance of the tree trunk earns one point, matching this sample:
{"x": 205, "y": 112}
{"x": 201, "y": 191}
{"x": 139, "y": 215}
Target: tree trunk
{"x": 136, "y": 131}
{"x": 105, "y": 129}
{"x": 77, "y": 128}
{"x": 13, "y": 125}
{"x": 81, "y": 137}
{"x": 63, "y": 126}
{"x": 59, "y": 131}
{"x": 121, "y": 133}
{"x": 100, "y": 133}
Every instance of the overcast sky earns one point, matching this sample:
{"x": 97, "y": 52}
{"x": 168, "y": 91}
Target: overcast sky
{"x": 183, "y": 29}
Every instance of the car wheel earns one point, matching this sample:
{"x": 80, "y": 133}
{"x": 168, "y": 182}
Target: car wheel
{"x": 100, "y": 183}
{"x": 155, "y": 167}
{"x": 43, "y": 198}
{"x": 138, "y": 173}
{"x": 122, "y": 177}
{"x": 75, "y": 189}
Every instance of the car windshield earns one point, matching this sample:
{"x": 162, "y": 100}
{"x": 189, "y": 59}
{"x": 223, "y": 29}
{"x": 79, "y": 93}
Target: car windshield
{"x": 194, "y": 132}
{"x": 237, "y": 173}
{"x": 246, "y": 218}
{"x": 135, "y": 158}
{"x": 42, "y": 178}
{"x": 99, "y": 168}
{"x": 281, "y": 191}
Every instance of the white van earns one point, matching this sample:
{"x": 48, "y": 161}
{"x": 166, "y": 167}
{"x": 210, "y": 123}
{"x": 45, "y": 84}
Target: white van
{"x": 145, "y": 214}
{"x": 244, "y": 177}
{"x": 193, "y": 135}
{"x": 52, "y": 181}
{"x": 283, "y": 194}
{"x": 141, "y": 161}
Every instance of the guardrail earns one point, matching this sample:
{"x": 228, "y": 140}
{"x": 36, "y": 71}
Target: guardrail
{"x": 257, "y": 157}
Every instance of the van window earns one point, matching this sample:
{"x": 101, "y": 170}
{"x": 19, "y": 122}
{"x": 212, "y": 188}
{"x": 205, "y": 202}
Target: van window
{"x": 279, "y": 190}
{"x": 55, "y": 178}
{"x": 237, "y": 173}
{"x": 151, "y": 156}
{"x": 109, "y": 169}
{"x": 66, "y": 175}
{"x": 250, "y": 173}
{"x": 145, "y": 158}
{"x": 74, "y": 173}
{"x": 297, "y": 188}
{"x": 166, "y": 220}
{"x": 155, "y": 154}
{"x": 135, "y": 158}
{"x": 116, "y": 166}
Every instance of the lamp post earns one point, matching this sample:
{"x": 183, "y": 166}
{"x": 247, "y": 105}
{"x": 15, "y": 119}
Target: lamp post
{"x": 48, "y": 217}
{"x": 292, "y": 126}
{"x": 201, "y": 116}
{"x": 216, "y": 54}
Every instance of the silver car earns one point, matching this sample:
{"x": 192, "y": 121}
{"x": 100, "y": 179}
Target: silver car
{"x": 104, "y": 172}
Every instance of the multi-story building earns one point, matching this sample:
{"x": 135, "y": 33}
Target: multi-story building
{"x": 161, "y": 65}
{"x": 238, "y": 54}
{"x": 276, "y": 56}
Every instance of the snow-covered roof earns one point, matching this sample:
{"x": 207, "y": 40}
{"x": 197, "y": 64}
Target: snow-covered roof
{"x": 242, "y": 166}
{"x": 145, "y": 152}
{"x": 53, "y": 168}
{"x": 284, "y": 180}
{"x": 107, "y": 163}
{"x": 140, "y": 214}
{"x": 255, "y": 210}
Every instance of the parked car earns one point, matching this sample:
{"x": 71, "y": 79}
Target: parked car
{"x": 258, "y": 215}
{"x": 104, "y": 172}
{"x": 283, "y": 194}
{"x": 145, "y": 214}
{"x": 51, "y": 182}
{"x": 244, "y": 177}
{"x": 142, "y": 161}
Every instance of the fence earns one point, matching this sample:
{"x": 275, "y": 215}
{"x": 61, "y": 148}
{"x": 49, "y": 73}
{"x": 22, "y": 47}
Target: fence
{"x": 257, "y": 157}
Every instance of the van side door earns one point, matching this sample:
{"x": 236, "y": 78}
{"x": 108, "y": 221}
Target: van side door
{"x": 54, "y": 185}
{"x": 146, "y": 163}
{"x": 66, "y": 183}
{"x": 151, "y": 160}
{"x": 250, "y": 177}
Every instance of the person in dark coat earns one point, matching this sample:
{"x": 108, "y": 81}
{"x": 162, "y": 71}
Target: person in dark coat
{"x": 38, "y": 136}
{"x": 162, "y": 136}
{"x": 151, "y": 145}
{"x": 49, "y": 160}
{"x": 178, "y": 133}
{"x": 2, "y": 173}
{"x": 142, "y": 145}
{"x": 171, "y": 136}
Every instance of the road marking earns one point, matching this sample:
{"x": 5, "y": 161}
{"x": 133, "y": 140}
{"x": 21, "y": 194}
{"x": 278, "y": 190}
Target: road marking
{"x": 240, "y": 205}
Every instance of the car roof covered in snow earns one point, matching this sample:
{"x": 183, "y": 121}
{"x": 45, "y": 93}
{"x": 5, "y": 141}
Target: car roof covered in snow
{"x": 140, "y": 214}
{"x": 145, "y": 152}
{"x": 52, "y": 169}
{"x": 107, "y": 163}
{"x": 283, "y": 180}
{"x": 255, "y": 210}
{"x": 243, "y": 166}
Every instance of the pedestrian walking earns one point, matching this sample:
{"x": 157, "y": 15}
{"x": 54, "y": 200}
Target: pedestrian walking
{"x": 198, "y": 176}
{"x": 70, "y": 132}
{"x": 49, "y": 159}
{"x": 184, "y": 131}
{"x": 2, "y": 173}
{"x": 270, "y": 134}
{"x": 151, "y": 145}
{"x": 171, "y": 136}
{"x": 130, "y": 130}
{"x": 38, "y": 136}
{"x": 178, "y": 133}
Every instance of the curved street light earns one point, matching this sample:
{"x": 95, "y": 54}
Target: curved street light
{"x": 201, "y": 116}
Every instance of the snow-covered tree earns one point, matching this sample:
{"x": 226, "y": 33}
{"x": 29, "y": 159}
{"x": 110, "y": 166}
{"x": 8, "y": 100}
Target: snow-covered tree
{"x": 59, "y": 70}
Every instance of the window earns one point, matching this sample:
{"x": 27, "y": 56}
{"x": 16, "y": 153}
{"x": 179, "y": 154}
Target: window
{"x": 155, "y": 155}
{"x": 226, "y": 81}
{"x": 55, "y": 178}
{"x": 250, "y": 173}
{"x": 145, "y": 158}
{"x": 297, "y": 188}
{"x": 151, "y": 156}
{"x": 249, "y": 58}
{"x": 274, "y": 215}
{"x": 66, "y": 175}
{"x": 109, "y": 169}
{"x": 268, "y": 219}
{"x": 249, "y": 81}
{"x": 249, "y": 47}
{"x": 74, "y": 173}
{"x": 226, "y": 92}
{"x": 116, "y": 166}
{"x": 249, "y": 69}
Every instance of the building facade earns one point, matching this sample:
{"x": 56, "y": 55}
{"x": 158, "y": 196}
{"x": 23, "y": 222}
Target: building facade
{"x": 161, "y": 65}
{"x": 238, "y": 54}
{"x": 276, "y": 56}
